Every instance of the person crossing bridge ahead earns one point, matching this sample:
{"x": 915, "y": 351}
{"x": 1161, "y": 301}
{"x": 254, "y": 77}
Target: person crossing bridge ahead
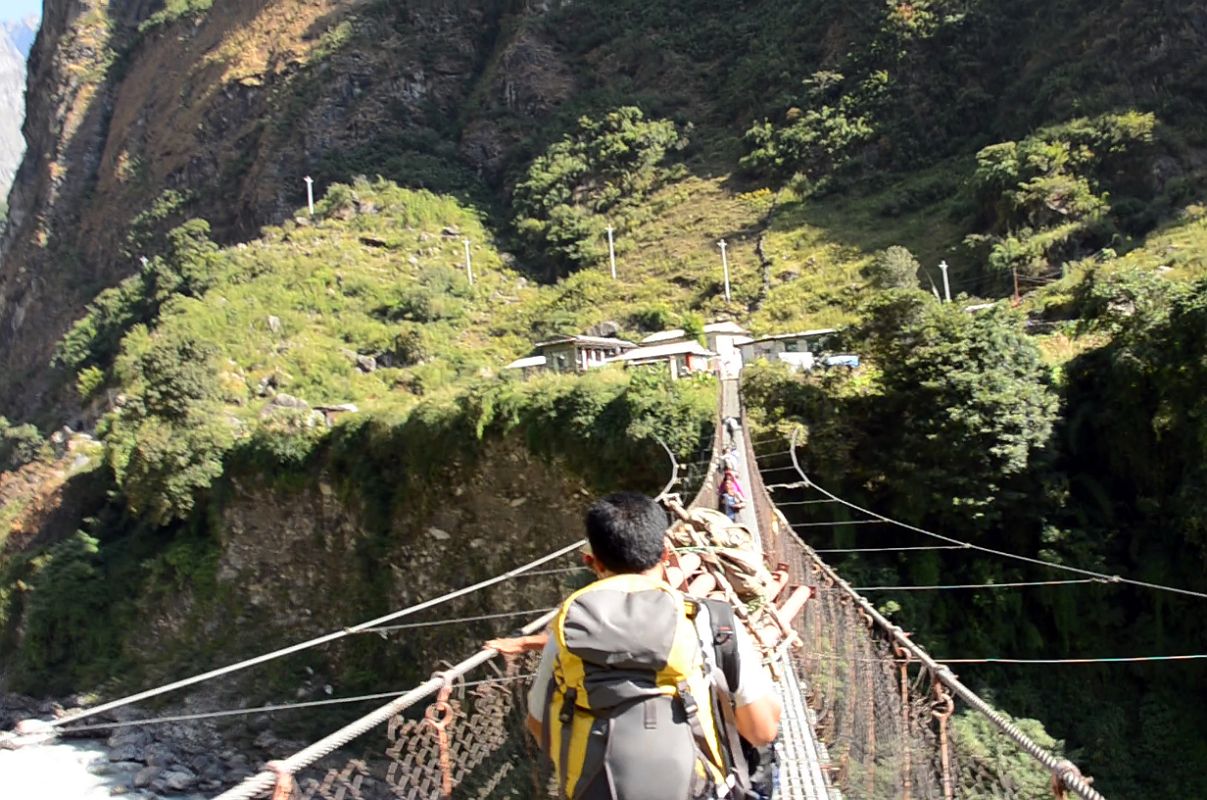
{"x": 630, "y": 700}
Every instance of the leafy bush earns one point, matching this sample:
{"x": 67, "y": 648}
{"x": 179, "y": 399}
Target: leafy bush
{"x": 66, "y": 595}
{"x": 814, "y": 143}
{"x": 1048, "y": 198}
{"x": 174, "y": 10}
{"x": 20, "y": 445}
{"x": 187, "y": 268}
{"x": 894, "y": 268}
{"x": 167, "y": 439}
{"x": 601, "y": 168}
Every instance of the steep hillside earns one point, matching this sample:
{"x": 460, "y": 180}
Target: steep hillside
{"x": 462, "y": 98}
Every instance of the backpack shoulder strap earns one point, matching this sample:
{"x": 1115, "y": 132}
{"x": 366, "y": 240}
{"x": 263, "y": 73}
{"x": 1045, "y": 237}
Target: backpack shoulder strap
{"x": 724, "y": 639}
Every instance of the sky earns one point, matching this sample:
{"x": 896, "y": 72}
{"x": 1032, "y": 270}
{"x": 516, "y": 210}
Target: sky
{"x": 19, "y": 9}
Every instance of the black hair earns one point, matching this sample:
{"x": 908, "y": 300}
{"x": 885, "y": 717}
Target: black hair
{"x": 627, "y": 532}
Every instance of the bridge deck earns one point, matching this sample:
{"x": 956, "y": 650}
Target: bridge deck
{"x": 799, "y": 753}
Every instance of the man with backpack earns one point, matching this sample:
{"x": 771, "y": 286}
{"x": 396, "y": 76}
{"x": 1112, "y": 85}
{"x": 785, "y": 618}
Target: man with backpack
{"x": 642, "y": 693}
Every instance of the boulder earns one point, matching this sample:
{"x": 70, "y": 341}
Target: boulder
{"x": 177, "y": 779}
{"x": 289, "y": 401}
{"x": 146, "y": 776}
{"x": 128, "y": 752}
{"x": 607, "y": 328}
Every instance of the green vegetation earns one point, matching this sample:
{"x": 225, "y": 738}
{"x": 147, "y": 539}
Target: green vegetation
{"x": 19, "y": 445}
{"x": 174, "y": 10}
{"x": 93, "y": 588}
{"x": 1050, "y": 198}
{"x": 987, "y": 759}
{"x": 587, "y": 181}
{"x": 893, "y": 268}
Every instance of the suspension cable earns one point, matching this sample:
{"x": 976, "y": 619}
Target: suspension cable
{"x": 892, "y": 549}
{"x": 1121, "y": 660}
{"x": 989, "y": 550}
{"x": 836, "y": 523}
{"x": 1015, "y": 585}
{"x": 269, "y": 709}
{"x": 330, "y": 637}
{"x": 256, "y": 784}
{"x": 456, "y": 621}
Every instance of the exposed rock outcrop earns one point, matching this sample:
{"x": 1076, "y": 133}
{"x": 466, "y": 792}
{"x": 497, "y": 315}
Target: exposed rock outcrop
{"x": 228, "y": 109}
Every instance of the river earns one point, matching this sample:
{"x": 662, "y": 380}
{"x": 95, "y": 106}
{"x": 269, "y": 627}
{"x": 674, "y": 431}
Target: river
{"x": 68, "y": 771}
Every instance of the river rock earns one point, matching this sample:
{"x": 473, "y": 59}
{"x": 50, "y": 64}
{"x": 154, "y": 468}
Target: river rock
{"x": 159, "y": 754}
{"x": 146, "y": 776}
{"x": 177, "y": 779}
{"x": 127, "y": 752}
{"x": 129, "y": 736}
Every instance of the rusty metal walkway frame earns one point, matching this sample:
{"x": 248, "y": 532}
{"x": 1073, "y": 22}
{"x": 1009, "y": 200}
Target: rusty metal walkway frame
{"x": 800, "y": 756}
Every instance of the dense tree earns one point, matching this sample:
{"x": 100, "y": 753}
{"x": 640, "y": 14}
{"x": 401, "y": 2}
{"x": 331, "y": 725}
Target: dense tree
{"x": 893, "y": 268}
{"x": 602, "y": 167}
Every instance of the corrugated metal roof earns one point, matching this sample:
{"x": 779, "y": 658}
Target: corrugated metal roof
{"x": 524, "y": 363}
{"x": 593, "y": 341}
{"x": 664, "y": 351}
{"x": 801, "y": 335}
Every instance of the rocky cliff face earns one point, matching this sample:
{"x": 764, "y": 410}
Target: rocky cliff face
{"x": 220, "y": 113}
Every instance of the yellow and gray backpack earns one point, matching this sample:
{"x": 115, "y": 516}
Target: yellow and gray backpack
{"x": 631, "y": 713}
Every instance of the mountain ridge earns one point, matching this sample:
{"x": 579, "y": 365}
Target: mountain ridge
{"x": 16, "y": 39}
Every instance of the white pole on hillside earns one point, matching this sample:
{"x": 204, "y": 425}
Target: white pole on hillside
{"x": 946, "y": 284}
{"x": 725, "y": 266}
{"x": 469, "y": 264}
{"x": 612, "y": 251}
{"x": 309, "y": 194}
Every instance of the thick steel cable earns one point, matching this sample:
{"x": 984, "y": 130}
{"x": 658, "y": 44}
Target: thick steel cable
{"x": 989, "y": 550}
{"x": 1062, "y": 770}
{"x": 269, "y": 709}
{"x": 456, "y": 620}
{"x": 263, "y": 781}
{"x": 1052, "y": 661}
{"x": 1025, "y": 661}
{"x": 954, "y": 586}
{"x": 330, "y": 637}
{"x": 836, "y": 523}
{"x": 891, "y": 549}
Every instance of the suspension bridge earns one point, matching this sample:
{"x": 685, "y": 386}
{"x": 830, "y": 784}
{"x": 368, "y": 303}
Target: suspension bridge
{"x": 868, "y": 713}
